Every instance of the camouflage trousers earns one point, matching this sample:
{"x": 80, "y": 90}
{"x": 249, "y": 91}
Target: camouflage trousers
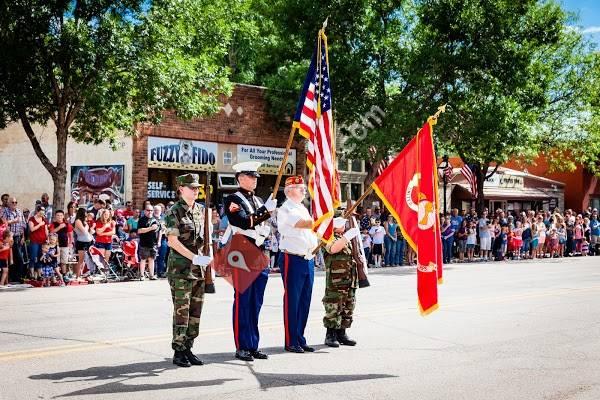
{"x": 339, "y": 305}
{"x": 188, "y": 297}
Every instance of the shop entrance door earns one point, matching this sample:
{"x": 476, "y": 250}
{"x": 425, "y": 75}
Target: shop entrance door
{"x": 496, "y": 204}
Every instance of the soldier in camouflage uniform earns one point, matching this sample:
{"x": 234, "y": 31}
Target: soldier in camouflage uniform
{"x": 341, "y": 282}
{"x": 184, "y": 223}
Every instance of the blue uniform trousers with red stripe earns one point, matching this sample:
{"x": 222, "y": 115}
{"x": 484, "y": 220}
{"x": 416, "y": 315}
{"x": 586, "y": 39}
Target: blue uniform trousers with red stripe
{"x": 246, "y": 309}
{"x": 298, "y": 275}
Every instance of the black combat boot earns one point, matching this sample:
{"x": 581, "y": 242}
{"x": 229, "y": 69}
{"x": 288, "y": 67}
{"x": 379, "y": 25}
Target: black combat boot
{"x": 344, "y": 339}
{"x": 331, "y": 338}
{"x": 192, "y": 358}
{"x": 180, "y": 359}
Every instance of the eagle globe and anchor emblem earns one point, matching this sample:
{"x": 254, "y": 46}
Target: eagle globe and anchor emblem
{"x": 425, "y": 210}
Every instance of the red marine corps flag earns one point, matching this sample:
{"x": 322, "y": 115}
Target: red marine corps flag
{"x": 408, "y": 187}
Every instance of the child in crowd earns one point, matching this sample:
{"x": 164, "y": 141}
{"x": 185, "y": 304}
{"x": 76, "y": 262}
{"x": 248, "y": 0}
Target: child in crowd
{"x": 578, "y": 234}
{"x": 62, "y": 230}
{"x": 502, "y": 243}
{"x": 517, "y": 240}
{"x": 6, "y": 256}
{"x": 366, "y": 243}
{"x": 54, "y": 244}
{"x": 562, "y": 238}
{"x": 462, "y": 240}
{"x": 471, "y": 241}
{"x": 377, "y": 233}
{"x": 585, "y": 247}
{"x": 553, "y": 243}
{"x": 535, "y": 237}
{"x": 3, "y": 226}
{"x": 48, "y": 262}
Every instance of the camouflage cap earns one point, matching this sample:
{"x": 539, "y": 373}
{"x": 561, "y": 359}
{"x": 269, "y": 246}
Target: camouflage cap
{"x": 189, "y": 180}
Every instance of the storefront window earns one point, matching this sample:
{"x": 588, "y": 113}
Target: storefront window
{"x": 227, "y": 157}
{"x": 356, "y": 190}
{"x": 356, "y": 166}
{"x": 344, "y": 189}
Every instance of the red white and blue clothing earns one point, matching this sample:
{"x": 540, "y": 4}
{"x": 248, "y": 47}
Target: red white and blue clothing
{"x": 297, "y": 270}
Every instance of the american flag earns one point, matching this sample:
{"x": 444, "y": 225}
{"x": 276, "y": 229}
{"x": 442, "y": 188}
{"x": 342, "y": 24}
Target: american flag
{"x": 448, "y": 171}
{"x": 314, "y": 120}
{"x": 471, "y": 178}
{"x": 383, "y": 163}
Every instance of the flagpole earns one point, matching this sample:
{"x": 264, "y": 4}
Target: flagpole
{"x": 293, "y": 130}
{"x": 284, "y": 161}
{"x": 349, "y": 211}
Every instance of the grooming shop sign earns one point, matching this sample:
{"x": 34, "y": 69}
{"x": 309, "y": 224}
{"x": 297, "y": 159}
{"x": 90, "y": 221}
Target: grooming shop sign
{"x": 181, "y": 154}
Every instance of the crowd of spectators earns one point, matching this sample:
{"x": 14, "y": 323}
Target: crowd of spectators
{"x": 469, "y": 237}
{"x": 50, "y": 245}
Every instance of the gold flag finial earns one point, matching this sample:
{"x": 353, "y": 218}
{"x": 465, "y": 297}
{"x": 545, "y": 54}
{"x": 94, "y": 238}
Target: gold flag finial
{"x": 434, "y": 117}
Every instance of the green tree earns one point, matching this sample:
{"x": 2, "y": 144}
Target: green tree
{"x": 96, "y": 68}
{"x": 514, "y": 75}
{"x": 369, "y": 44}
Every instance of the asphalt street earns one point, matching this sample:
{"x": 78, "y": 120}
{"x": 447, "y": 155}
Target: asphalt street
{"x": 510, "y": 330}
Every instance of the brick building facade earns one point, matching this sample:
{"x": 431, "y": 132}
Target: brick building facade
{"x": 242, "y": 131}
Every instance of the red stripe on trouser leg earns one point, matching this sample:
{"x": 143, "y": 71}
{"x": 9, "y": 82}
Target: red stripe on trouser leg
{"x": 236, "y": 315}
{"x": 285, "y": 299}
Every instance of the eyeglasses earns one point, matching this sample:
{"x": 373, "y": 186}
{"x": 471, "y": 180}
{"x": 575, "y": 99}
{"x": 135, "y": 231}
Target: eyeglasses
{"x": 148, "y": 210}
{"x": 14, "y": 202}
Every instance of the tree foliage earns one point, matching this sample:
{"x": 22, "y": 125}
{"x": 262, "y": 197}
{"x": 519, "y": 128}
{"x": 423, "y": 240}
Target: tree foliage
{"x": 515, "y": 76}
{"x": 96, "y": 68}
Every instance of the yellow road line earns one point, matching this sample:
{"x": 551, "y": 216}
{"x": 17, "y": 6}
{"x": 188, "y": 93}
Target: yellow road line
{"x": 84, "y": 347}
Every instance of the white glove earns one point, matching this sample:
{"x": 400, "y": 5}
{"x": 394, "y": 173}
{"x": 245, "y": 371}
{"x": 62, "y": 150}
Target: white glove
{"x": 271, "y": 204}
{"x": 351, "y": 233}
{"x": 263, "y": 230}
{"x": 203, "y": 261}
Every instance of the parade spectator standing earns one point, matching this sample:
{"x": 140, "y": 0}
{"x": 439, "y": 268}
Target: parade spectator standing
{"x": 377, "y": 232}
{"x": 485, "y": 239}
{"x": 578, "y": 234}
{"x": 105, "y": 230}
{"x": 594, "y": 233}
{"x": 98, "y": 205}
{"x": 38, "y": 235}
{"x": 365, "y": 221}
{"x": 4, "y": 203}
{"x": 162, "y": 245}
{"x": 471, "y": 239}
{"x": 44, "y": 202}
{"x": 17, "y": 224}
{"x": 147, "y": 230}
{"x": 541, "y": 228}
{"x": 391, "y": 241}
{"x": 132, "y": 224}
{"x": 526, "y": 236}
{"x": 517, "y": 240}
{"x": 6, "y": 259}
{"x": 128, "y": 211}
{"x": 83, "y": 239}
{"x": 366, "y": 242}
{"x": 455, "y": 221}
{"x": 447, "y": 238}
{"x": 62, "y": 229}
{"x": 461, "y": 236}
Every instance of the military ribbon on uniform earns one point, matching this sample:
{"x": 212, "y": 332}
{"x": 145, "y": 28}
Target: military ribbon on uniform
{"x": 408, "y": 188}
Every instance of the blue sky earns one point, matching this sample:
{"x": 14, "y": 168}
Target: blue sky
{"x": 589, "y": 16}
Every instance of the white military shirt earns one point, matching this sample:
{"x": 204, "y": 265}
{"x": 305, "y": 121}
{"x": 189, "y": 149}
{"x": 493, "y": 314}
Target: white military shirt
{"x": 299, "y": 241}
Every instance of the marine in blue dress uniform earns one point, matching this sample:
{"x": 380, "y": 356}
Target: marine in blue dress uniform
{"x": 296, "y": 244}
{"x": 247, "y": 214}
